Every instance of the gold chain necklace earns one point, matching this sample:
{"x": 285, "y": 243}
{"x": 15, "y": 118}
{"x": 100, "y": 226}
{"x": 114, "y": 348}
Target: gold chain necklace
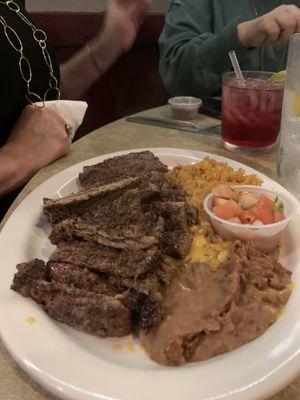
{"x": 262, "y": 50}
{"x": 40, "y": 37}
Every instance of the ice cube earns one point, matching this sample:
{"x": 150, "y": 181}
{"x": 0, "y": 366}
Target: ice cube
{"x": 263, "y": 101}
{"x": 253, "y": 100}
{"x": 272, "y": 103}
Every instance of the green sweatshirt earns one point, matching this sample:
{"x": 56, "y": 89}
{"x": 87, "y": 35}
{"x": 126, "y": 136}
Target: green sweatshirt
{"x": 197, "y": 37}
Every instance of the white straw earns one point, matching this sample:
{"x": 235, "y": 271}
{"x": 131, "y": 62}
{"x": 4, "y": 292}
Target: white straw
{"x": 236, "y": 66}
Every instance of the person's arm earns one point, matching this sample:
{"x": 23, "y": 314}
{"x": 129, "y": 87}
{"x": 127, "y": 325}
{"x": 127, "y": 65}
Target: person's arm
{"x": 12, "y": 172}
{"x": 38, "y": 138}
{"x": 192, "y": 58}
{"x": 122, "y": 21}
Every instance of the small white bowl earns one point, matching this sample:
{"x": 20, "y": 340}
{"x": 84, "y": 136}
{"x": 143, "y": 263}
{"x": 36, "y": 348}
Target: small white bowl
{"x": 264, "y": 237}
{"x": 185, "y": 108}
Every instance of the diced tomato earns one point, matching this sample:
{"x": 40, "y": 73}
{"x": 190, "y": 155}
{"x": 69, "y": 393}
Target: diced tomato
{"x": 264, "y": 200}
{"x": 263, "y": 213}
{"x": 218, "y": 201}
{"x": 278, "y": 216}
{"x": 247, "y": 200}
{"x": 247, "y": 217}
{"x": 226, "y": 211}
{"x": 225, "y": 191}
{"x": 235, "y": 219}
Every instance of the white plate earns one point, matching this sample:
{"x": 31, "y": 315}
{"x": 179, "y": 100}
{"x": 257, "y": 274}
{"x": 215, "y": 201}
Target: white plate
{"x": 77, "y": 366}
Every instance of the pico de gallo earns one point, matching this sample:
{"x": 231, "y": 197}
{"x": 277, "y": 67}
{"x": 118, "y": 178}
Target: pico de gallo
{"x": 246, "y": 207}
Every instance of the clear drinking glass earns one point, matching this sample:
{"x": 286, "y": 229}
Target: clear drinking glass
{"x": 289, "y": 148}
{"x": 251, "y": 112}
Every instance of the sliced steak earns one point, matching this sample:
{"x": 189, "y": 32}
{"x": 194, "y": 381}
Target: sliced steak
{"x": 121, "y": 224}
{"x": 76, "y": 229}
{"x": 121, "y": 263}
{"x": 178, "y": 215}
{"x": 143, "y": 297}
{"x": 86, "y": 201}
{"x": 169, "y": 193}
{"x": 81, "y": 278}
{"x": 174, "y": 213}
{"x": 118, "y": 168}
{"x": 148, "y": 310}
{"x": 27, "y": 273}
{"x": 111, "y": 240}
{"x": 93, "y": 313}
{"x": 152, "y": 180}
{"x": 166, "y": 271}
{"x": 176, "y": 243}
{"x": 192, "y": 215}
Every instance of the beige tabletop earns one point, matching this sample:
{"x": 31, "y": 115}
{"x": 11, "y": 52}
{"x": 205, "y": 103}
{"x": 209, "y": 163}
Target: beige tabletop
{"x": 122, "y": 135}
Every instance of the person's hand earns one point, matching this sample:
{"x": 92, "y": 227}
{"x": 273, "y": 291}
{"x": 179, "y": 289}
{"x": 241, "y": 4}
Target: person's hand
{"x": 123, "y": 20}
{"x": 272, "y": 28}
{"x": 38, "y": 138}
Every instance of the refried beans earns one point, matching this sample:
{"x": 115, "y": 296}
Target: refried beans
{"x": 210, "y": 311}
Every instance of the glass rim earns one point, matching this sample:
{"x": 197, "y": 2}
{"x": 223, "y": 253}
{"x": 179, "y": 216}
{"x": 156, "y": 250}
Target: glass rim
{"x": 259, "y": 75}
{"x": 295, "y": 36}
{"x": 250, "y": 72}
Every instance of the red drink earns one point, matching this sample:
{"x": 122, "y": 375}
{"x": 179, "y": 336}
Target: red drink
{"x": 251, "y": 112}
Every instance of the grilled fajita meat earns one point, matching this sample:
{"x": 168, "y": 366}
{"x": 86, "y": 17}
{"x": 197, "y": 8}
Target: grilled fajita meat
{"x": 122, "y": 223}
{"x": 76, "y": 229}
{"x": 103, "y": 259}
{"x": 79, "y": 277}
{"x": 121, "y": 167}
{"x": 176, "y": 243}
{"x": 91, "y": 312}
{"x": 84, "y": 201}
{"x": 112, "y": 238}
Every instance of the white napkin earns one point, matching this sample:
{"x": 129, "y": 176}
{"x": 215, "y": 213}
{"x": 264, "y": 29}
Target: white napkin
{"x": 71, "y": 111}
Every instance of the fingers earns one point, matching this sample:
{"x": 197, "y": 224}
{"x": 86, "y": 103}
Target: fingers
{"x": 131, "y": 6}
{"x": 145, "y": 5}
{"x": 273, "y": 28}
{"x": 270, "y": 30}
{"x": 288, "y": 22}
{"x": 284, "y": 36}
{"x": 281, "y": 23}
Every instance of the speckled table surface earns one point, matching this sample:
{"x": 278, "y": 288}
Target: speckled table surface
{"x": 117, "y": 136}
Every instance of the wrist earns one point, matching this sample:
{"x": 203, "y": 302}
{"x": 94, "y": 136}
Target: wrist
{"x": 96, "y": 65}
{"x": 13, "y": 171}
{"x": 105, "y": 51}
{"x": 20, "y": 163}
